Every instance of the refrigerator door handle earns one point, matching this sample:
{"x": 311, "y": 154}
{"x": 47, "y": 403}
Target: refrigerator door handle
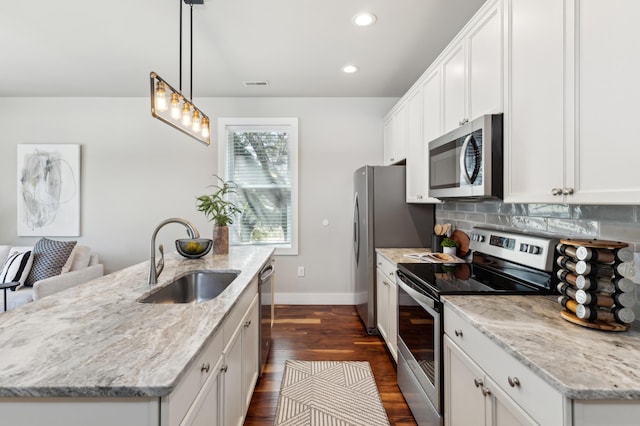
{"x": 356, "y": 228}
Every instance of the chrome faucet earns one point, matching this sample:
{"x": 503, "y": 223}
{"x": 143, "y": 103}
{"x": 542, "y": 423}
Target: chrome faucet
{"x": 155, "y": 270}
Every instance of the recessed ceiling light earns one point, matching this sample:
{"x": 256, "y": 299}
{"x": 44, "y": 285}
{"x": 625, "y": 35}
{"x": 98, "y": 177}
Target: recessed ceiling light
{"x": 364, "y": 19}
{"x": 350, "y": 69}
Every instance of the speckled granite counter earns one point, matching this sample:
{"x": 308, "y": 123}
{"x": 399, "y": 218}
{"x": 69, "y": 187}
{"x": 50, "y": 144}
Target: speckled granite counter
{"x": 97, "y": 340}
{"x": 397, "y": 255}
{"x": 580, "y": 362}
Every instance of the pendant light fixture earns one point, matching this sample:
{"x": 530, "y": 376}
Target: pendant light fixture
{"x": 171, "y": 106}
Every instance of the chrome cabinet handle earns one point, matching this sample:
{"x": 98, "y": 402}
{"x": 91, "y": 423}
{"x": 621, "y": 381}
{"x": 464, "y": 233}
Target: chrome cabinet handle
{"x": 458, "y": 333}
{"x": 513, "y": 381}
{"x": 556, "y": 191}
{"x": 392, "y": 159}
{"x": 419, "y": 197}
{"x": 224, "y": 368}
{"x": 205, "y": 367}
{"x": 567, "y": 191}
{"x": 247, "y": 324}
{"x": 478, "y": 382}
{"x": 486, "y": 391}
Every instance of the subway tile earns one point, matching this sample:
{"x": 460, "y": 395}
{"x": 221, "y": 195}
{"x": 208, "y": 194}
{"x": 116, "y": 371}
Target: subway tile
{"x": 567, "y": 228}
{"x": 529, "y": 223}
{"x": 457, "y": 215}
{"x": 498, "y": 220}
{"x": 549, "y": 210}
{"x": 513, "y": 209}
{"x": 488, "y": 207}
{"x": 605, "y": 213}
{"x": 476, "y": 217}
{"x": 627, "y": 232}
{"x": 465, "y": 207}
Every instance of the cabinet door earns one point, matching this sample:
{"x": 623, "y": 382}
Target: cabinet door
{"x": 432, "y": 109}
{"x": 503, "y": 410}
{"x": 382, "y": 304}
{"x": 607, "y": 58}
{"x": 233, "y": 399}
{"x": 387, "y": 147}
{"x": 534, "y": 126}
{"x": 392, "y": 336}
{"x": 206, "y": 408}
{"x": 400, "y": 133}
{"x": 454, "y": 91}
{"x": 464, "y": 402}
{"x": 485, "y": 64}
{"x": 250, "y": 352}
{"x": 415, "y": 190}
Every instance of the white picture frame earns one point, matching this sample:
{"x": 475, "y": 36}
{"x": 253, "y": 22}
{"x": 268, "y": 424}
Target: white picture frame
{"x": 48, "y": 203}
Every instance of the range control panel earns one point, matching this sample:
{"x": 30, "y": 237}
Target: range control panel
{"x": 536, "y": 251}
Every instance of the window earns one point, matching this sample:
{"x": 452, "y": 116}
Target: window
{"x": 260, "y": 155}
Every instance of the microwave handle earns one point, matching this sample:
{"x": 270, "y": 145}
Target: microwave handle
{"x": 468, "y": 179}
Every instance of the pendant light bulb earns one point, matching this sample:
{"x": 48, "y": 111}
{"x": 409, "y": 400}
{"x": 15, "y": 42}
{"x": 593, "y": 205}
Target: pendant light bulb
{"x": 161, "y": 97}
{"x": 186, "y": 114}
{"x": 196, "y": 121}
{"x": 176, "y": 113}
{"x": 205, "y": 127}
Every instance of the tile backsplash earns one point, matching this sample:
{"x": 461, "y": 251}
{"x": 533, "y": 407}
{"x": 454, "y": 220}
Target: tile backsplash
{"x": 618, "y": 223}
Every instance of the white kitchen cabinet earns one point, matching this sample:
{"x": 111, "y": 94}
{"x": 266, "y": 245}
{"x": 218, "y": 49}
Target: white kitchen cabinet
{"x": 207, "y": 407}
{"x": 387, "y": 303}
{"x": 511, "y": 393}
{"x": 567, "y": 135}
{"x": 472, "y": 69}
{"x": 472, "y": 398}
{"x": 240, "y": 366}
{"x": 396, "y": 134}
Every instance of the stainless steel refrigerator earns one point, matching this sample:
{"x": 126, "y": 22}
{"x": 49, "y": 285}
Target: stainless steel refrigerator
{"x": 383, "y": 219}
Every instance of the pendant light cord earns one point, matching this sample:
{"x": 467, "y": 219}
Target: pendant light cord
{"x": 191, "y": 56}
{"x": 180, "y": 53}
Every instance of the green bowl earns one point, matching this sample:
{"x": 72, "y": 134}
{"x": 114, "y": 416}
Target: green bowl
{"x": 193, "y": 248}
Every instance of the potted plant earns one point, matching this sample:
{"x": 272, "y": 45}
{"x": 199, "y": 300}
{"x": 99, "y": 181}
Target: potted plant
{"x": 218, "y": 209}
{"x": 449, "y": 246}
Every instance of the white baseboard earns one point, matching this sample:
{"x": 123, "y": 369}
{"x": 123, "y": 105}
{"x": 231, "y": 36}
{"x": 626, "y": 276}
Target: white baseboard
{"x": 315, "y": 299}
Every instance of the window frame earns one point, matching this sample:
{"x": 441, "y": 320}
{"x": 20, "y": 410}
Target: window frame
{"x": 249, "y": 123}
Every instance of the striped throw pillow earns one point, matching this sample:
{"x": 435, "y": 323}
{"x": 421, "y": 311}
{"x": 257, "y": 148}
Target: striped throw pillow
{"x": 17, "y": 267}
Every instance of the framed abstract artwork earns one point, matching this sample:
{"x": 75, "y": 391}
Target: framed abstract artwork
{"x": 48, "y": 190}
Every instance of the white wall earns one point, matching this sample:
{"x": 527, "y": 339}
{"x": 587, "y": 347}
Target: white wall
{"x": 137, "y": 171}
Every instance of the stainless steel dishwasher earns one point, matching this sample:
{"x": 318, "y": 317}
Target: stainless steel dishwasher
{"x": 266, "y": 312}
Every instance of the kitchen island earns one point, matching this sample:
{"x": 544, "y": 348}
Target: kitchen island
{"x": 96, "y": 346}
{"x": 586, "y": 376}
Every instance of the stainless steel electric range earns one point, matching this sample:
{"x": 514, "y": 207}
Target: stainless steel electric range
{"x": 504, "y": 262}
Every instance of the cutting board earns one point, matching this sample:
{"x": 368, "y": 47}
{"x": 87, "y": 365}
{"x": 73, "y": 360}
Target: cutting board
{"x": 463, "y": 242}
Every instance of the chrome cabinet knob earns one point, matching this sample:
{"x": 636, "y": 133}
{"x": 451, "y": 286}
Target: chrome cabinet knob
{"x": 458, "y": 333}
{"x": 556, "y": 191}
{"x": 205, "y": 368}
{"x": 224, "y": 368}
{"x": 513, "y": 381}
{"x": 486, "y": 391}
{"x": 478, "y": 382}
{"x": 567, "y": 191}
{"x": 247, "y": 324}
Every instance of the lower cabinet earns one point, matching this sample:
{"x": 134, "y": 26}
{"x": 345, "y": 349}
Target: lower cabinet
{"x": 217, "y": 389}
{"x": 484, "y": 385}
{"x": 472, "y": 398}
{"x": 387, "y": 304}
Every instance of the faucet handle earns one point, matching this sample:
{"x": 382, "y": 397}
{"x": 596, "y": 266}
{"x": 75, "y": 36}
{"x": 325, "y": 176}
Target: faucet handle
{"x": 160, "y": 266}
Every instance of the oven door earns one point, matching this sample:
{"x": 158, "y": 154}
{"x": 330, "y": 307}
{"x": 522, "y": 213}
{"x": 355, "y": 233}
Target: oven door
{"x": 419, "y": 351}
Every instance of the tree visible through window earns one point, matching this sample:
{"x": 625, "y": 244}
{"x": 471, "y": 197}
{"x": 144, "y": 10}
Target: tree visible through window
{"x": 261, "y": 159}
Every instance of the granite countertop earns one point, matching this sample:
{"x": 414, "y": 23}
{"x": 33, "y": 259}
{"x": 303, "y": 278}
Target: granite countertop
{"x": 580, "y": 362}
{"x": 397, "y": 255}
{"x": 97, "y": 340}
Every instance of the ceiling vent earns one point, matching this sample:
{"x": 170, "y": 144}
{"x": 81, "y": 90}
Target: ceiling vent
{"x": 256, "y": 83}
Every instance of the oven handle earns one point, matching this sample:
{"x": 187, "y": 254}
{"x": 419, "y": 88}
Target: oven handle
{"x": 425, "y": 301}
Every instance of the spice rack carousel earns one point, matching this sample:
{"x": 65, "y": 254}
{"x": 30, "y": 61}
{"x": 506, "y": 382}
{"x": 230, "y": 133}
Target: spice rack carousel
{"x": 595, "y": 285}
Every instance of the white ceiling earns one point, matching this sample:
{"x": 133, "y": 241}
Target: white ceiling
{"x": 108, "y": 48}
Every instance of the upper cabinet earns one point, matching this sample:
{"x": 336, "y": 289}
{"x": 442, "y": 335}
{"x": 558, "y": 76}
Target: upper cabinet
{"x": 396, "y": 135}
{"x": 570, "y": 101}
{"x": 472, "y": 69}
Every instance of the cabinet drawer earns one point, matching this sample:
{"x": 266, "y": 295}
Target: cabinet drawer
{"x": 537, "y": 397}
{"x": 179, "y": 401}
{"x": 235, "y": 316}
{"x": 388, "y": 267}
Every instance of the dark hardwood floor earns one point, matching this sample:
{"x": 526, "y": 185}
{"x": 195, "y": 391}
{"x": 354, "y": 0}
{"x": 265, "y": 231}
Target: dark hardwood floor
{"x": 314, "y": 333}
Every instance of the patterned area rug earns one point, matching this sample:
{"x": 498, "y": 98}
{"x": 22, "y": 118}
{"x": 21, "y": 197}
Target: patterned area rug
{"x": 335, "y": 393}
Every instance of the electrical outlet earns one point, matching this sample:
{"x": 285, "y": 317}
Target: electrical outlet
{"x": 301, "y": 271}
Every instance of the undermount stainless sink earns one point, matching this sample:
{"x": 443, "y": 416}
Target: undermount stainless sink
{"x": 193, "y": 287}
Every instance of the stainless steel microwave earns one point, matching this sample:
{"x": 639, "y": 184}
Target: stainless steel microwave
{"x": 466, "y": 163}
